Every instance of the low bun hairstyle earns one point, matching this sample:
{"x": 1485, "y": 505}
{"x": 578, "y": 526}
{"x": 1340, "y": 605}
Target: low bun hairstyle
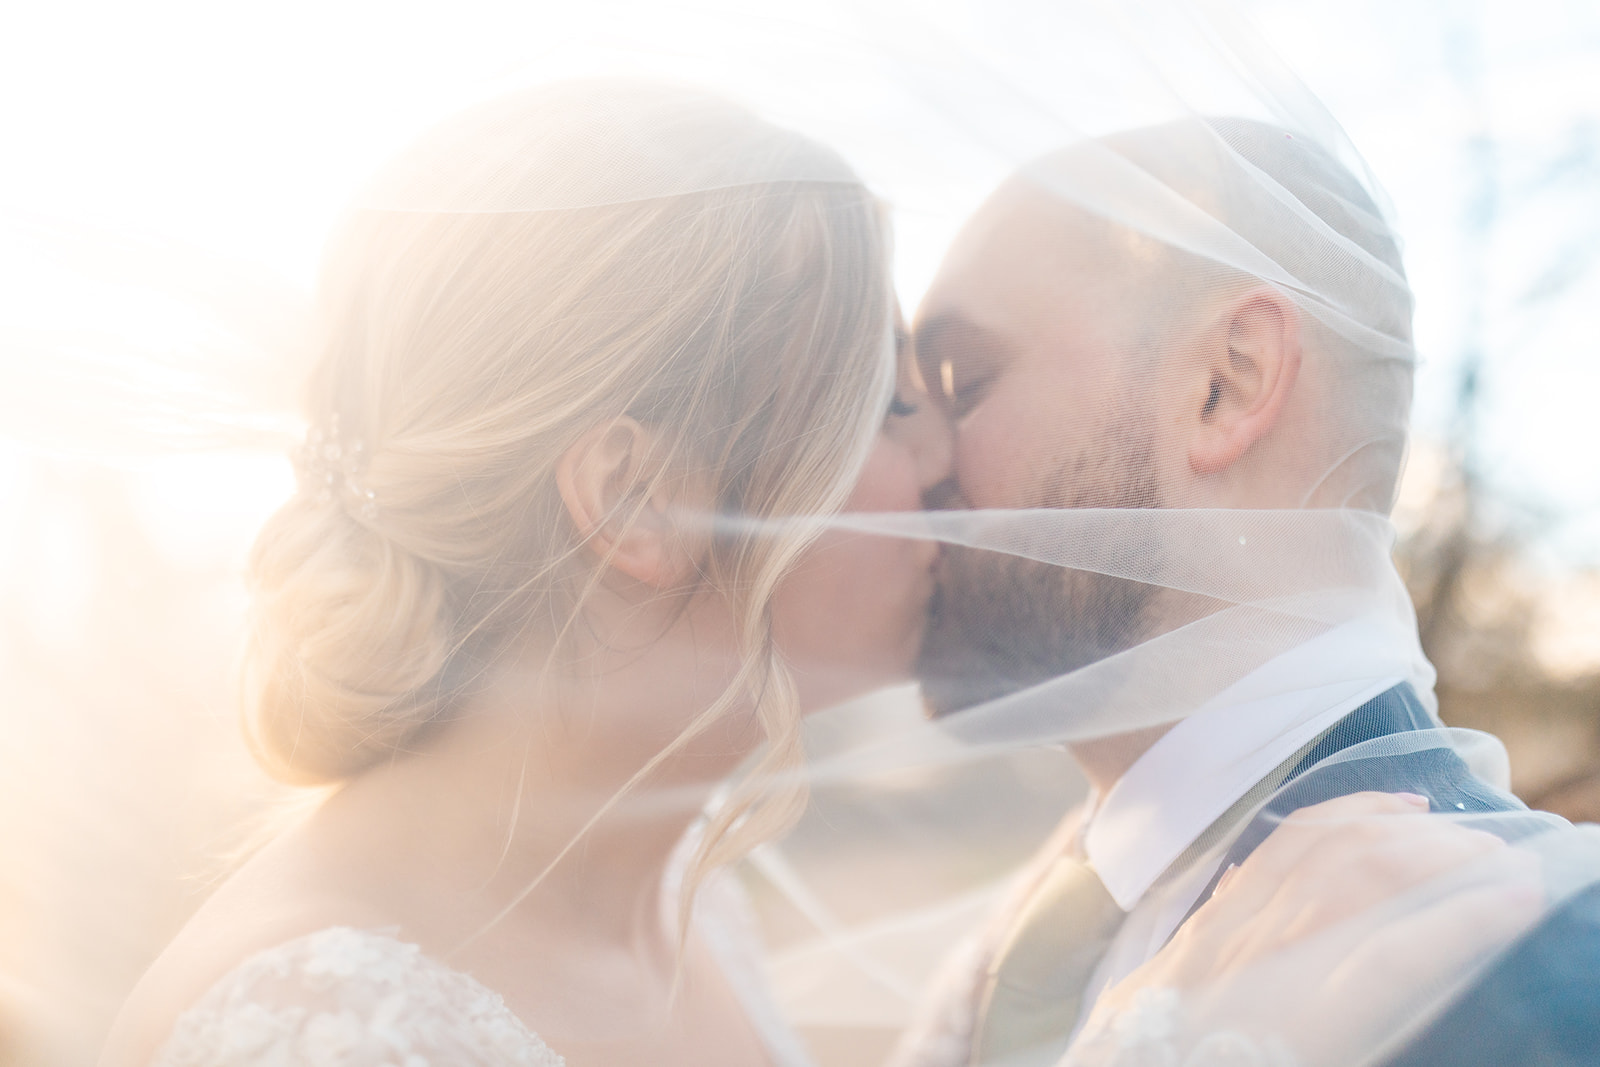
{"x": 462, "y": 352}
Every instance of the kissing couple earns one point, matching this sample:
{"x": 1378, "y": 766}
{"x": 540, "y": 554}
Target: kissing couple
{"x": 622, "y": 461}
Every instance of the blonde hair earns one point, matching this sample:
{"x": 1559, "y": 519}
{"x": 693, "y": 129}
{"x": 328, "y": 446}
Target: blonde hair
{"x": 747, "y": 326}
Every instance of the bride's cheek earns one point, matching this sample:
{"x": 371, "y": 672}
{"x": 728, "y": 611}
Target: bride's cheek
{"x": 849, "y": 617}
{"x": 888, "y": 480}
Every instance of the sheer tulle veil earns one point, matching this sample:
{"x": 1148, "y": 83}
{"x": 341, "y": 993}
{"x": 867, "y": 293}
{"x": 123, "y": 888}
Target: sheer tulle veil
{"x": 1158, "y": 148}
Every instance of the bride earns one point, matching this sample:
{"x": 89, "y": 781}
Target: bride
{"x": 498, "y": 626}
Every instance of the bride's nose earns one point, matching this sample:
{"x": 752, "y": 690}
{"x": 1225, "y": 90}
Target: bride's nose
{"x": 926, "y": 430}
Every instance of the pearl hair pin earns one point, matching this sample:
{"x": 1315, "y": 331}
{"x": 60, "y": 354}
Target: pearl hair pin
{"x": 330, "y": 466}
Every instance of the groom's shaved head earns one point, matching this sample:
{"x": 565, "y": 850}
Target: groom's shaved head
{"x": 1122, "y": 324}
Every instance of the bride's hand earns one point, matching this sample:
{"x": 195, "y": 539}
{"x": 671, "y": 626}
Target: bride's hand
{"x": 1353, "y": 921}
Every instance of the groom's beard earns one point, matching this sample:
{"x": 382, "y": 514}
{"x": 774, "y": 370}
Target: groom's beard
{"x": 1001, "y": 623}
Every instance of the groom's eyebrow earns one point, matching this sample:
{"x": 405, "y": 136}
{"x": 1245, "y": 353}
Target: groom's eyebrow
{"x": 948, "y": 338}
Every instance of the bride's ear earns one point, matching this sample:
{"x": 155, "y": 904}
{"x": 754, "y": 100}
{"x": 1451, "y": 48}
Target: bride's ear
{"x": 1247, "y": 369}
{"x": 626, "y": 507}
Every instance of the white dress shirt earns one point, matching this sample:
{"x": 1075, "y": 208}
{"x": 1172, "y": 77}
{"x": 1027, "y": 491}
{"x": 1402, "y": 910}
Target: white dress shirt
{"x": 1206, "y": 763}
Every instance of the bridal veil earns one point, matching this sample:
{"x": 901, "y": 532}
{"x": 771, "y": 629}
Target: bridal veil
{"x": 1173, "y": 159}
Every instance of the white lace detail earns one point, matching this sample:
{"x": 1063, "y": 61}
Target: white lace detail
{"x": 350, "y": 998}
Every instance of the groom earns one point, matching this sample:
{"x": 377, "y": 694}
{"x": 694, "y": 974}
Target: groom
{"x": 1088, "y": 365}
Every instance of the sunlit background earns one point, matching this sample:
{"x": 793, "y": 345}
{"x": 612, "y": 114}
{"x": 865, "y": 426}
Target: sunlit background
{"x": 171, "y": 170}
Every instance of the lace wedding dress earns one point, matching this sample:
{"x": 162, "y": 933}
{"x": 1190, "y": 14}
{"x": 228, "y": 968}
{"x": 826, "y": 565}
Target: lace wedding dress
{"x": 350, "y": 998}
{"x": 343, "y": 997}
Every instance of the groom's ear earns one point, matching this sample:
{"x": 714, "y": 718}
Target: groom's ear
{"x": 626, "y": 507}
{"x": 1247, "y": 366}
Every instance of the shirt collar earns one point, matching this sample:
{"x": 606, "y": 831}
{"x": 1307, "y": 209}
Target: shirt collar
{"x": 1196, "y": 771}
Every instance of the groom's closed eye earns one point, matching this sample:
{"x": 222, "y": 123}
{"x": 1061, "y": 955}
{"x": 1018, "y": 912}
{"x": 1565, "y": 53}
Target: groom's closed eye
{"x": 962, "y": 358}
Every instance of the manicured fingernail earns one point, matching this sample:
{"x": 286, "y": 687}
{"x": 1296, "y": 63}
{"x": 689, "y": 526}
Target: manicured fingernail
{"x": 1416, "y": 800}
{"x": 1227, "y": 876}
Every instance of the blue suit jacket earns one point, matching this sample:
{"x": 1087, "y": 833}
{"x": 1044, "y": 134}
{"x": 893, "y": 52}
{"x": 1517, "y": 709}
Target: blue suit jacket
{"x": 1540, "y": 1004}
